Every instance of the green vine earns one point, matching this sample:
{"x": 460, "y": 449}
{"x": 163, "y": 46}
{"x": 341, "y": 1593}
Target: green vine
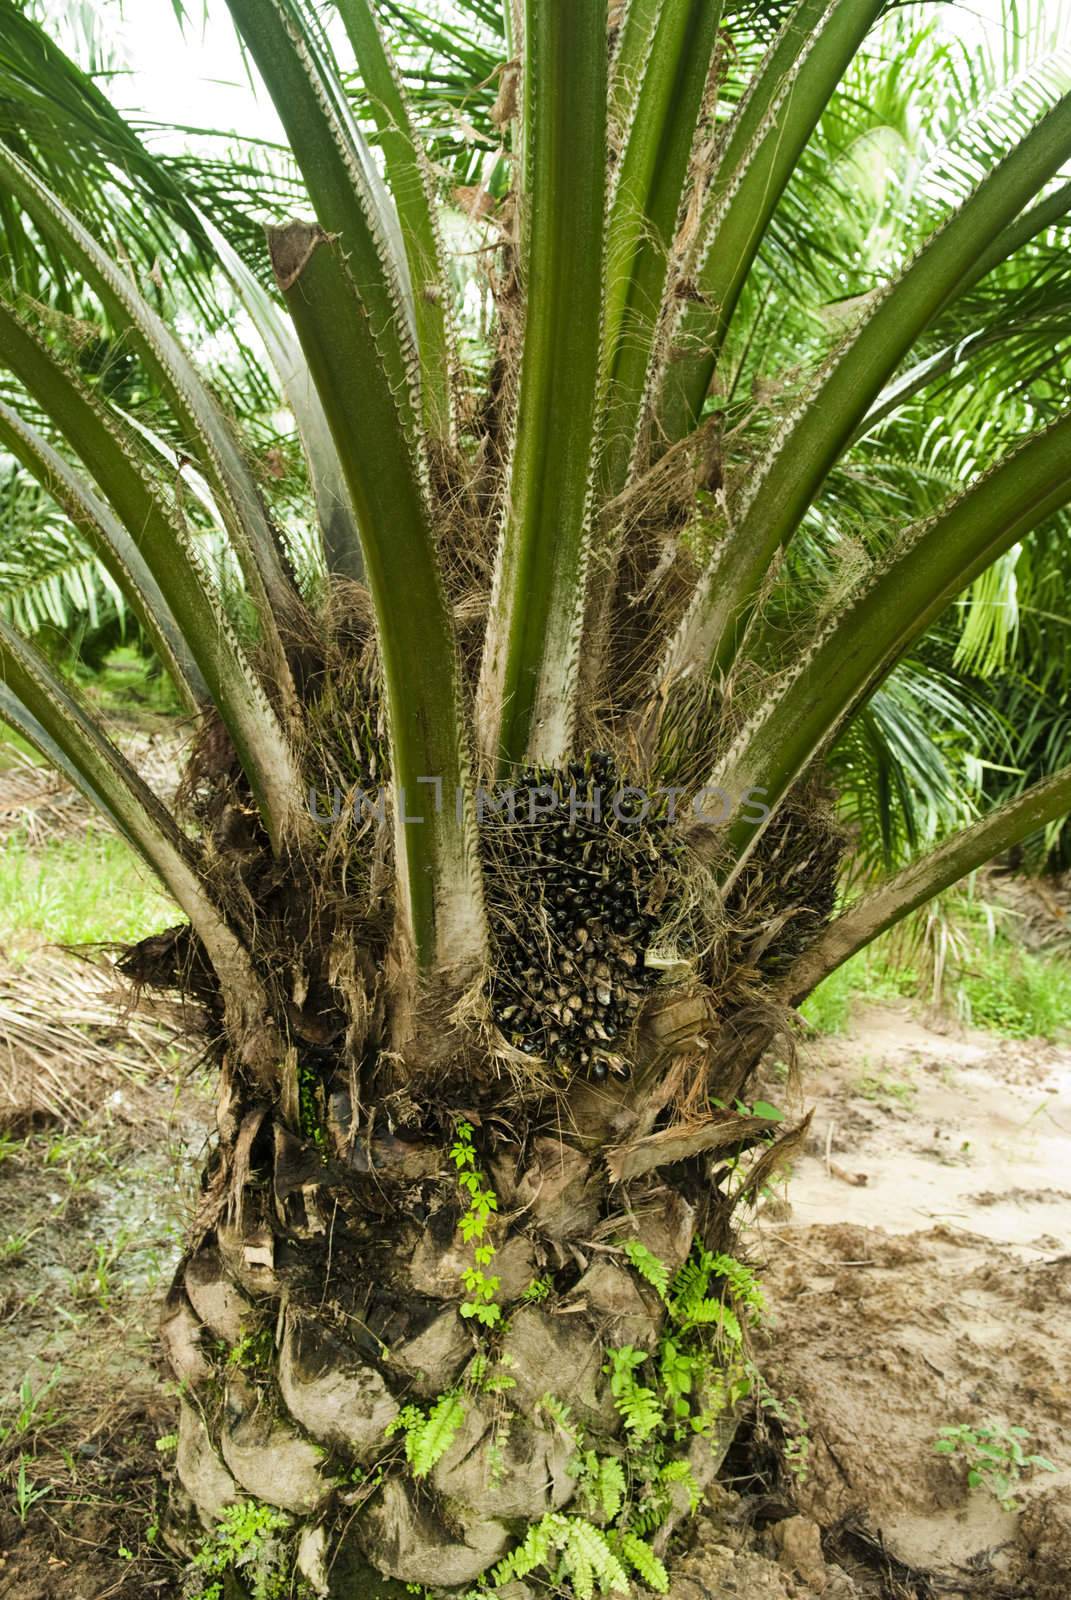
{"x": 474, "y": 1223}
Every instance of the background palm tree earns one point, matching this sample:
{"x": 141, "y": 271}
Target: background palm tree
{"x": 484, "y": 1061}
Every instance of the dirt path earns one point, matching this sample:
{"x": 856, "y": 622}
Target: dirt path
{"x": 919, "y": 1277}
{"x": 954, "y": 1128}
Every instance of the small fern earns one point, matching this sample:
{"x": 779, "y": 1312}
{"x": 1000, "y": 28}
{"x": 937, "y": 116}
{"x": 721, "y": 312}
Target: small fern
{"x": 532, "y": 1552}
{"x": 667, "y": 1398}
{"x": 428, "y": 1438}
{"x": 715, "y": 1313}
{"x": 562, "y": 1417}
{"x": 643, "y": 1560}
{"x": 650, "y": 1268}
{"x": 611, "y": 1486}
{"x": 638, "y": 1406}
{"x": 680, "y": 1472}
{"x": 482, "y": 1380}
{"x": 743, "y": 1285}
{"x": 691, "y": 1305}
{"x": 656, "y": 1500}
{"x": 250, "y": 1538}
{"x": 584, "y": 1556}
{"x": 602, "y": 1482}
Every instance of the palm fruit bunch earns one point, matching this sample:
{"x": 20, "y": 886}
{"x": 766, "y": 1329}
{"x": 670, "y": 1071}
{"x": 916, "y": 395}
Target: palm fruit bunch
{"x": 579, "y": 869}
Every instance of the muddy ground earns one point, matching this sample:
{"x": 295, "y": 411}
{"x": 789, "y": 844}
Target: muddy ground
{"x": 919, "y": 1276}
{"x": 916, "y": 1265}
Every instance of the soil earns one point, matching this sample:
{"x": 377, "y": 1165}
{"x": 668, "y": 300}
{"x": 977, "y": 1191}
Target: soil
{"x": 918, "y": 1275}
{"x": 916, "y": 1268}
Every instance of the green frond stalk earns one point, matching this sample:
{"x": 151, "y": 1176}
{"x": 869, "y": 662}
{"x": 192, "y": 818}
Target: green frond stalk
{"x": 778, "y": 67}
{"x": 349, "y": 290}
{"x": 763, "y": 148}
{"x": 671, "y": 72}
{"x": 631, "y": 56}
{"x": 165, "y": 545}
{"x": 1034, "y": 221}
{"x": 342, "y": 544}
{"x": 922, "y": 880}
{"x": 771, "y": 507}
{"x": 409, "y": 175}
{"x": 438, "y": 876}
{"x": 885, "y": 612}
{"x": 16, "y": 716}
{"x": 528, "y": 683}
{"x": 287, "y": 42}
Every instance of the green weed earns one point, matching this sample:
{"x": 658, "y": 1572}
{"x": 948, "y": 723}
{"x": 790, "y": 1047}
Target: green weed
{"x": 881, "y": 1090}
{"x": 994, "y": 1458}
{"x": 29, "y": 1415}
{"x": 247, "y": 1540}
{"x": 1014, "y": 993}
{"x": 27, "y": 1493}
{"x": 13, "y": 1247}
{"x": 829, "y": 1008}
{"x": 95, "y": 1283}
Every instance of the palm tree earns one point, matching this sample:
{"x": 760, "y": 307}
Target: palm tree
{"x": 507, "y": 840}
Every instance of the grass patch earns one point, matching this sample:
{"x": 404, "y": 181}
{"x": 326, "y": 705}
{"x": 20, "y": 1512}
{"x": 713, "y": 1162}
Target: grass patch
{"x": 1014, "y": 993}
{"x": 128, "y": 686}
{"x": 14, "y": 750}
{"x": 829, "y": 1008}
{"x": 995, "y": 984}
{"x": 871, "y": 975}
{"x": 79, "y": 890}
